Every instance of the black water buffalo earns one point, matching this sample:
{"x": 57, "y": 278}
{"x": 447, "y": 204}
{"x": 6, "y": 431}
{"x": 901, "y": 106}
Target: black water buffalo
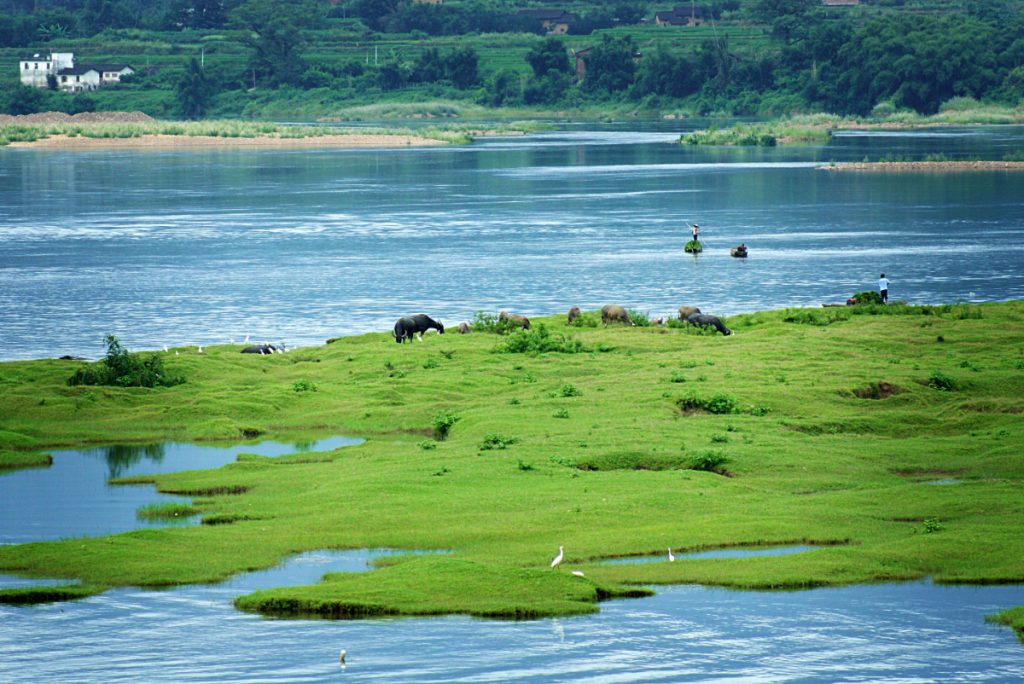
{"x": 704, "y": 321}
{"x": 261, "y": 349}
{"x": 407, "y": 326}
{"x": 573, "y": 314}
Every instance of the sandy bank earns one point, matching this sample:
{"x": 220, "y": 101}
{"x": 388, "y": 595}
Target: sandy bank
{"x": 930, "y": 166}
{"x": 162, "y": 141}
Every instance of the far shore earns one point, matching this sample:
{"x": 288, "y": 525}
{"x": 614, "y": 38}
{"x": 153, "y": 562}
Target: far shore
{"x": 933, "y": 166}
{"x": 192, "y": 141}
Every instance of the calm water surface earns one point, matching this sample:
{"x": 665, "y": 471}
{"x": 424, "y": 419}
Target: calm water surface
{"x": 914, "y": 632}
{"x": 202, "y": 247}
{"x": 74, "y": 498}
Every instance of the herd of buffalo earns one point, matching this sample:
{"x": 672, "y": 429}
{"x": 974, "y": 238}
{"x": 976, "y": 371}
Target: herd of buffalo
{"x": 407, "y": 327}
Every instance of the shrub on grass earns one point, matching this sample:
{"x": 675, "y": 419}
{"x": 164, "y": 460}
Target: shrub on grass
{"x": 708, "y": 461}
{"x": 123, "y": 369}
{"x": 867, "y": 297}
{"x": 304, "y": 386}
{"x": 428, "y": 444}
{"x": 538, "y": 340}
{"x": 443, "y": 423}
{"x": 716, "y": 403}
{"x": 942, "y": 382}
{"x": 640, "y": 318}
{"x": 587, "y": 319}
{"x": 569, "y": 390}
{"x": 497, "y": 441}
{"x": 485, "y": 322}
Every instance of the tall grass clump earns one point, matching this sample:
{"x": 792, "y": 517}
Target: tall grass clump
{"x": 123, "y": 369}
{"x": 717, "y": 403}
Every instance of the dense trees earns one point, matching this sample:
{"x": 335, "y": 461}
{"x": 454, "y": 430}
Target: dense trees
{"x": 840, "y": 60}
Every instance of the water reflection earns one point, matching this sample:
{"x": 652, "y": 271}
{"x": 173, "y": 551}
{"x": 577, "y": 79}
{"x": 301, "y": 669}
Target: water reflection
{"x": 74, "y": 497}
{"x": 120, "y": 458}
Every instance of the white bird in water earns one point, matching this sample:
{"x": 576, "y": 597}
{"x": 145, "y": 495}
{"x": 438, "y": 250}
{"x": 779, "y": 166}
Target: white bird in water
{"x": 578, "y": 573}
{"x": 671, "y": 558}
{"x": 341, "y": 658}
{"x": 558, "y": 559}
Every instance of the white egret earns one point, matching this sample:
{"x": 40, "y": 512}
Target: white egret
{"x": 578, "y": 573}
{"x": 165, "y": 348}
{"x": 341, "y": 658}
{"x": 558, "y": 559}
{"x": 671, "y": 558}
{"x": 201, "y": 350}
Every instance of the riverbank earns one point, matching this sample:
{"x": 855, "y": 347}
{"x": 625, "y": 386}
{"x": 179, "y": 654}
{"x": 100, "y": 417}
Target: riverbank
{"x": 135, "y": 130}
{"x": 609, "y": 442}
{"x": 926, "y": 166}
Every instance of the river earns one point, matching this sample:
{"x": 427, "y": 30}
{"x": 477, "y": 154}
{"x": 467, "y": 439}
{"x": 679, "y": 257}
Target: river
{"x": 201, "y": 247}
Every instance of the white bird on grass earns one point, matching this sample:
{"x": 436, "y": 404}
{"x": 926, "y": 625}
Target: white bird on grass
{"x": 578, "y": 573}
{"x": 165, "y": 348}
{"x": 558, "y": 559}
{"x": 671, "y": 558}
{"x": 200, "y": 350}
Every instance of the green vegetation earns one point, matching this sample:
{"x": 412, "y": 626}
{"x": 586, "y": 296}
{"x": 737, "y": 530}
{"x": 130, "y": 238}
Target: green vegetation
{"x": 14, "y": 459}
{"x": 1013, "y": 618}
{"x": 29, "y": 596}
{"x": 165, "y": 511}
{"x": 123, "y": 369}
{"x": 783, "y": 433}
{"x": 693, "y": 247}
{"x": 304, "y": 60}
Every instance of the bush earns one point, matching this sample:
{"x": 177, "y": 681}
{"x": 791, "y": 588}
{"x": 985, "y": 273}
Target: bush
{"x": 485, "y": 322}
{"x": 539, "y": 339}
{"x": 940, "y": 381}
{"x": 443, "y": 423}
{"x": 304, "y": 386}
{"x": 497, "y": 441}
{"x": 123, "y": 369}
{"x": 708, "y": 461}
{"x": 867, "y": 297}
{"x": 568, "y": 390}
{"x": 587, "y": 319}
{"x": 716, "y": 403}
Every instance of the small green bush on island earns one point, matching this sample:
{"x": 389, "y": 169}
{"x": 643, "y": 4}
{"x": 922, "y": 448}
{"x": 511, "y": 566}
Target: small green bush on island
{"x": 123, "y": 369}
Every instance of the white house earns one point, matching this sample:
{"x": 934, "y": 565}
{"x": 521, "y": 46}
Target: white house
{"x": 37, "y": 70}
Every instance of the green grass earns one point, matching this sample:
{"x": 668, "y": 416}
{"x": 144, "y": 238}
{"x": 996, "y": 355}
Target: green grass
{"x": 796, "y": 429}
{"x": 10, "y": 460}
{"x": 31, "y": 596}
{"x": 1012, "y": 618}
{"x": 165, "y": 511}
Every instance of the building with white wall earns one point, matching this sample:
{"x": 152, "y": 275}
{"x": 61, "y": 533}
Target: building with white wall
{"x": 37, "y": 70}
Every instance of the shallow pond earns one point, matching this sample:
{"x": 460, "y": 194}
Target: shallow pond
{"x": 913, "y": 632}
{"x": 73, "y": 497}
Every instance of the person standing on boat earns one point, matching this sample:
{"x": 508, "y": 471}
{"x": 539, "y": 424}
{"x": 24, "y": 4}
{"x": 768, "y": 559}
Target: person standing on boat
{"x": 696, "y": 231}
{"x": 883, "y": 288}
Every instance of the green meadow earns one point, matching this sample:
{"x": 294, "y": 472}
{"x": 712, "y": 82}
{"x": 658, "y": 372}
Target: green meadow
{"x": 889, "y": 437}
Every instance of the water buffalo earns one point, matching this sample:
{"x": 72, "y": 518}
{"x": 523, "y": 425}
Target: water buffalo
{"x": 407, "y": 326}
{"x": 260, "y": 349}
{"x": 573, "y": 314}
{"x": 685, "y": 311}
{"x": 704, "y": 321}
{"x": 616, "y": 313}
{"x": 463, "y": 328}
{"x": 516, "y": 320}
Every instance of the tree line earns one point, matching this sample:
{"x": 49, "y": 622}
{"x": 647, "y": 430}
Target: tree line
{"x": 817, "y": 59}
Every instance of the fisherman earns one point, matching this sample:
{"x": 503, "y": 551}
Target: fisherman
{"x": 696, "y": 231}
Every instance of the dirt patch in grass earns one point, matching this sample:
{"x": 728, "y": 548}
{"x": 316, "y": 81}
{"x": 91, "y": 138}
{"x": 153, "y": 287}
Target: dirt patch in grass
{"x": 877, "y": 390}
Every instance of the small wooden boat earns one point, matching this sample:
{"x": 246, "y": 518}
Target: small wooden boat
{"x": 740, "y": 252}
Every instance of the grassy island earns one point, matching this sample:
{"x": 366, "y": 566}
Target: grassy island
{"x": 133, "y": 129}
{"x": 887, "y": 436}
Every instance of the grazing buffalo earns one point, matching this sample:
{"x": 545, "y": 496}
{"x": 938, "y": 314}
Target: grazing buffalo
{"x": 686, "y": 311}
{"x": 615, "y": 313}
{"x": 261, "y": 349}
{"x": 407, "y": 326}
{"x": 573, "y": 314}
{"x": 516, "y": 320}
{"x": 463, "y": 328}
{"x": 704, "y": 321}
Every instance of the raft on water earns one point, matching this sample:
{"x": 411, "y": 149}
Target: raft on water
{"x": 740, "y": 252}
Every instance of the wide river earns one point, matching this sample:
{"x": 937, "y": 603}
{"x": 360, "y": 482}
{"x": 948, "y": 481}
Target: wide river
{"x": 209, "y": 246}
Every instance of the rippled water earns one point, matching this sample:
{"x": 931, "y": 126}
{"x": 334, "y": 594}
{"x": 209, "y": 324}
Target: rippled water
{"x": 915, "y": 632}
{"x": 73, "y": 497}
{"x": 206, "y": 246}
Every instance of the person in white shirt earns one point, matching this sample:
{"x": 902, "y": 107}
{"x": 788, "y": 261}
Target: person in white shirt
{"x": 883, "y": 288}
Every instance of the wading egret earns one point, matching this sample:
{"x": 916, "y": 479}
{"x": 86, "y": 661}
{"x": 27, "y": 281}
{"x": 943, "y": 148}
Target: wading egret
{"x": 671, "y": 558}
{"x": 558, "y": 558}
